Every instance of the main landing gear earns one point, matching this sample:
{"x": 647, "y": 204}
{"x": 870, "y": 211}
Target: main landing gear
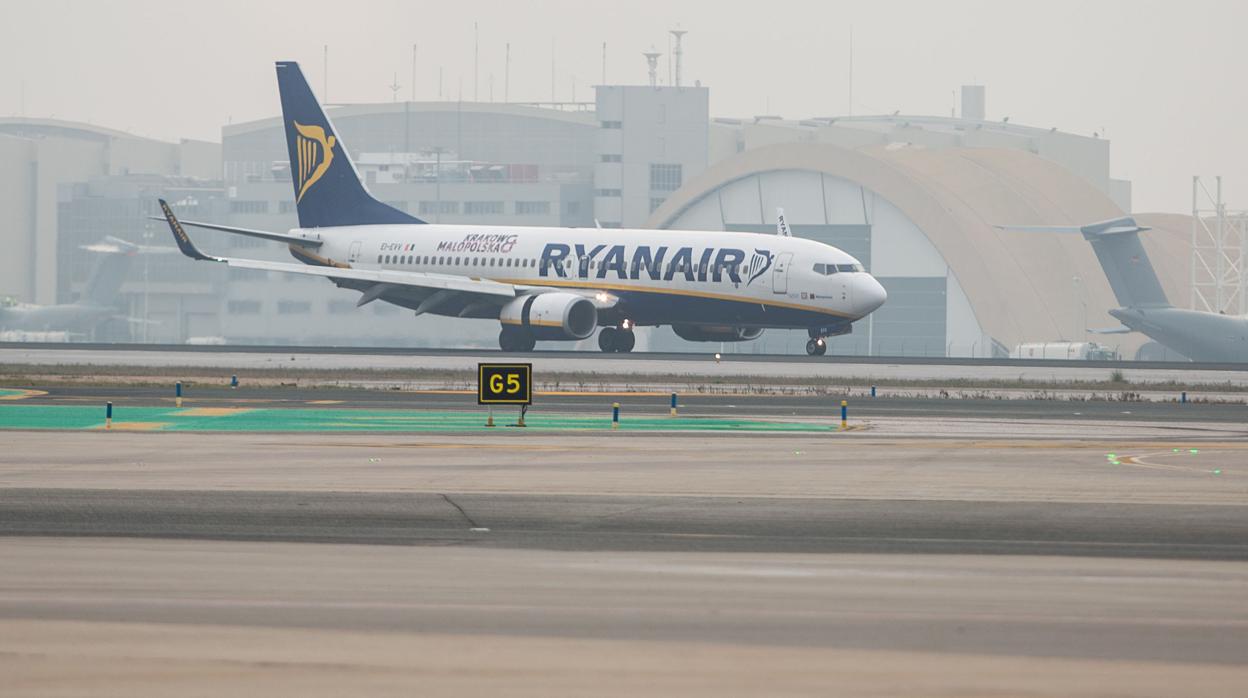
{"x": 515, "y": 339}
{"x": 611, "y": 339}
{"x": 816, "y": 346}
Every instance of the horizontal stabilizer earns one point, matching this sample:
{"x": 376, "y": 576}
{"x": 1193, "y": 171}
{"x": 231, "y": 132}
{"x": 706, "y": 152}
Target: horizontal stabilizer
{"x": 1114, "y": 226}
{"x": 1111, "y": 330}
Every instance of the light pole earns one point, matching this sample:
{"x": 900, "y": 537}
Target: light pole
{"x": 1081, "y": 319}
{"x": 437, "y": 185}
{"x": 147, "y": 242}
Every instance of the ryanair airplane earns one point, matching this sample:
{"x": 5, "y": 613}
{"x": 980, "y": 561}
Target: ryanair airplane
{"x": 546, "y": 283}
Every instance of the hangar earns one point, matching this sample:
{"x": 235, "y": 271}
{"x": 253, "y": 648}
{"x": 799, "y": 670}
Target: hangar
{"x": 916, "y": 199}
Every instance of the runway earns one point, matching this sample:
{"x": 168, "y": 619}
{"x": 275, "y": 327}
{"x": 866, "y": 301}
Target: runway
{"x": 1024, "y": 557}
{"x": 697, "y": 353}
{"x": 701, "y": 365}
{"x": 145, "y": 618}
{"x": 638, "y": 523}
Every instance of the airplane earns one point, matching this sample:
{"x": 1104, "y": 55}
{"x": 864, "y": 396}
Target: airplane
{"x": 545, "y": 283}
{"x": 82, "y": 317}
{"x": 1198, "y": 335}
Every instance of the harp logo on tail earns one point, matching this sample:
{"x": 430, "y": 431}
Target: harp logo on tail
{"x": 315, "y": 151}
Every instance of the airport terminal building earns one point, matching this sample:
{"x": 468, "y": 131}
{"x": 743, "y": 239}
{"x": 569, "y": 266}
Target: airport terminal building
{"x": 915, "y": 198}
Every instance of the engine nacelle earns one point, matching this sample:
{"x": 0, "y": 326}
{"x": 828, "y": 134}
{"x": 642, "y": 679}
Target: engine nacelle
{"x": 717, "y": 333}
{"x": 564, "y": 316}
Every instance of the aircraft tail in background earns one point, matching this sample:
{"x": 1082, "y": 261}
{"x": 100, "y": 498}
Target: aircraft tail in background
{"x": 107, "y": 275}
{"x": 1118, "y": 248}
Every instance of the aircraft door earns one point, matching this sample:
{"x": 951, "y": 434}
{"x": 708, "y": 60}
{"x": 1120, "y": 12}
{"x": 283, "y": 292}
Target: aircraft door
{"x": 780, "y": 274}
{"x": 354, "y": 255}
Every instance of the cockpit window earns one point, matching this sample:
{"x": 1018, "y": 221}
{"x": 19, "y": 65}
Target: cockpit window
{"x": 829, "y": 269}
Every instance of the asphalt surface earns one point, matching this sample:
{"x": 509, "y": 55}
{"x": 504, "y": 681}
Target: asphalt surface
{"x": 638, "y": 523}
{"x": 696, "y": 353}
{"x": 471, "y": 564}
{"x": 734, "y": 368}
{"x": 692, "y": 404}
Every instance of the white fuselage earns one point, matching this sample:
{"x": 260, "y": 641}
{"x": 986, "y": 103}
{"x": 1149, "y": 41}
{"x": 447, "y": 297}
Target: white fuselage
{"x": 662, "y": 276}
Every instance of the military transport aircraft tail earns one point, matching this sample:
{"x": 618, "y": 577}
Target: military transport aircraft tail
{"x": 1122, "y": 256}
{"x": 107, "y": 275}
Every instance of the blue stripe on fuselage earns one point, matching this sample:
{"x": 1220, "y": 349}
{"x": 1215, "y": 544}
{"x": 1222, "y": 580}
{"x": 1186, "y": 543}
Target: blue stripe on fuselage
{"x": 658, "y": 308}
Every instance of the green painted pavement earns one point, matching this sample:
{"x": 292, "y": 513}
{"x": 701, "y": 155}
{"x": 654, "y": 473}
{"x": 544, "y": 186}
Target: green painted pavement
{"x": 329, "y": 420}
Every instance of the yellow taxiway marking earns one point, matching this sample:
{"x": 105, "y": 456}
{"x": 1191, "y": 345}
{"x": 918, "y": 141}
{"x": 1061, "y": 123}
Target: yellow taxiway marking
{"x": 19, "y": 393}
{"x": 324, "y": 402}
{"x": 135, "y": 426}
{"x": 211, "y": 411}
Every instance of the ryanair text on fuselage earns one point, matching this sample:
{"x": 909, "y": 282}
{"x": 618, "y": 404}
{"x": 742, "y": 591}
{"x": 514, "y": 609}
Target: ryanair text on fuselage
{"x": 658, "y": 263}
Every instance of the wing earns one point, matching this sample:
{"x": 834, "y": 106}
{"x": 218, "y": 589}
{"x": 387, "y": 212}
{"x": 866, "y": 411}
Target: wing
{"x": 419, "y": 291}
{"x": 306, "y": 239}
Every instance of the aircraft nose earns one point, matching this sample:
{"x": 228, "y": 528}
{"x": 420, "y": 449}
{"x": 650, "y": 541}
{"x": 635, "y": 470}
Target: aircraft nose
{"x": 868, "y": 294}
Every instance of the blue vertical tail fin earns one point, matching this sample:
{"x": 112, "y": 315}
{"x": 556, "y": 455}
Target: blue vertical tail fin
{"x": 328, "y": 191}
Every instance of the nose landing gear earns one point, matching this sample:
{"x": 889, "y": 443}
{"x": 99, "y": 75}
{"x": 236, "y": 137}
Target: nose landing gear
{"x": 816, "y": 346}
{"x": 611, "y": 339}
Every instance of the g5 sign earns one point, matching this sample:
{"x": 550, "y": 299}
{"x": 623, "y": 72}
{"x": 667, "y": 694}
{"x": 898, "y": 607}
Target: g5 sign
{"x": 504, "y": 384}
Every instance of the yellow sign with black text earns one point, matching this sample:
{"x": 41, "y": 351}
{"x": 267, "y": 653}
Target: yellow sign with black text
{"x": 504, "y": 384}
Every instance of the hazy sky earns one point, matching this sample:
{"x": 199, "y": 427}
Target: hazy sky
{"x": 1164, "y": 80}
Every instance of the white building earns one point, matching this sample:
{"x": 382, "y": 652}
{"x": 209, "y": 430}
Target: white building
{"x": 650, "y": 141}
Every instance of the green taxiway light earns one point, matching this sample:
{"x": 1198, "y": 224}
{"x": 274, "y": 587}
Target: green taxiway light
{"x": 1194, "y": 450}
{"x": 1217, "y": 471}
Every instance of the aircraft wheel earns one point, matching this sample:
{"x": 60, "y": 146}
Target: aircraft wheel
{"x": 625, "y": 340}
{"x": 515, "y": 339}
{"x": 816, "y": 346}
{"x": 607, "y": 339}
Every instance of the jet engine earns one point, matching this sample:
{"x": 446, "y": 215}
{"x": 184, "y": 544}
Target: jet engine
{"x": 556, "y": 316}
{"x": 717, "y": 333}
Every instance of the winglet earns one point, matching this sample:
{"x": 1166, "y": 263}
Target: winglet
{"x": 179, "y": 235}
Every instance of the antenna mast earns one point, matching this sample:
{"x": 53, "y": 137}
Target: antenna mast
{"x": 652, "y": 58}
{"x": 678, "y": 52}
